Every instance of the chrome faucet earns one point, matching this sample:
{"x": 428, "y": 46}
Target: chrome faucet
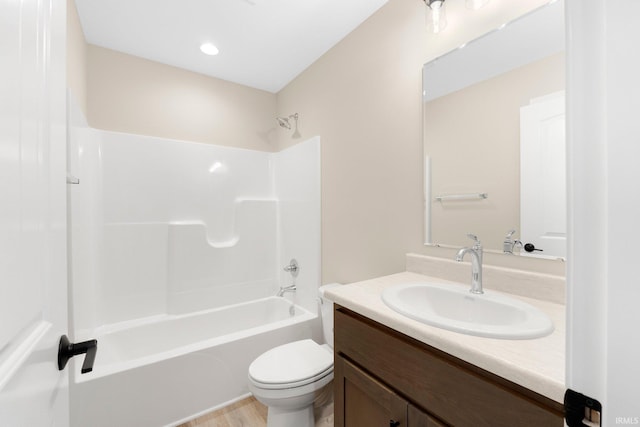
{"x": 509, "y": 243}
{"x": 284, "y": 289}
{"x": 476, "y": 263}
{"x": 293, "y": 268}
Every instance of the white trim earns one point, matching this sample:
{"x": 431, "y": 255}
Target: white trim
{"x": 23, "y": 348}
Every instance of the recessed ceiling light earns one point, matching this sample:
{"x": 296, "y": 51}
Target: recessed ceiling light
{"x": 209, "y": 49}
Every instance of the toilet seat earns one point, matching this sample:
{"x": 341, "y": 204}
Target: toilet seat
{"x": 291, "y": 365}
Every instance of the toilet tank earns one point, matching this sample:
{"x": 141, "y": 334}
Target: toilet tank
{"x": 326, "y": 313}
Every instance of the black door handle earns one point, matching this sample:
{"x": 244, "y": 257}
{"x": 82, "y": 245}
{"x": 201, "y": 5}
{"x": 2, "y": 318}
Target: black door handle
{"x": 529, "y": 247}
{"x": 67, "y": 349}
{"x": 393, "y": 423}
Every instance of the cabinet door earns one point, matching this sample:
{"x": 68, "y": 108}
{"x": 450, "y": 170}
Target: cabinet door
{"x": 417, "y": 418}
{"x": 363, "y": 401}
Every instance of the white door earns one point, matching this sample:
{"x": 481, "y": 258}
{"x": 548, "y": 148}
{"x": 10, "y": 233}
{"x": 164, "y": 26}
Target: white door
{"x": 33, "y": 290}
{"x": 603, "y": 290}
{"x": 543, "y": 190}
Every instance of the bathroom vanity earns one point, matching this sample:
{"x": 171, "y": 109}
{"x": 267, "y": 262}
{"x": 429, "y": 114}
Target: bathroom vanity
{"x": 394, "y": 371}
{"x": 383, "y": 377}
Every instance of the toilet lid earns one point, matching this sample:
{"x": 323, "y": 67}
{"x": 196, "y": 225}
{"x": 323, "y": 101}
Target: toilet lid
{"x": 291, "y": 363}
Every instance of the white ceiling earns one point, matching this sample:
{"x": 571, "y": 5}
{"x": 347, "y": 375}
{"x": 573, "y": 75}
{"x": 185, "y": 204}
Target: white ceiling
{"x": 263, "y": 43}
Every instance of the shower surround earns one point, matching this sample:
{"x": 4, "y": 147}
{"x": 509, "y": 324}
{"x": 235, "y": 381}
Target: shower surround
{"x": 164, "y": 233}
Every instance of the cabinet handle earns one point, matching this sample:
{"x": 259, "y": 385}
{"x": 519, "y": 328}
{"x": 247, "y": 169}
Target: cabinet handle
{"x": 393, "y": 423}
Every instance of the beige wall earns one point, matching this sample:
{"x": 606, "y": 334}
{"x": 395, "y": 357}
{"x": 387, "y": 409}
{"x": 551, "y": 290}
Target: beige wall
{"x": 363, "y": 98}
{"x": 134, "y": 95}
{"x": 76, "y": 57}
{"x": 473, "y": 139}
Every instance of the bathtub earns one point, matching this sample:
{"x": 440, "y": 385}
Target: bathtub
{"x": 164, "y": 370}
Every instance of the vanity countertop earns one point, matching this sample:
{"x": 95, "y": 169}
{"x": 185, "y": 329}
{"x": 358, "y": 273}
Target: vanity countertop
{"x": 537, "y": 364}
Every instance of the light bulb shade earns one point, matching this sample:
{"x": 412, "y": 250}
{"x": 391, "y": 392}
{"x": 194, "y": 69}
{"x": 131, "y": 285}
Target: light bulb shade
{"x": 476, "y": 4}
{"x": 436, "y": 16}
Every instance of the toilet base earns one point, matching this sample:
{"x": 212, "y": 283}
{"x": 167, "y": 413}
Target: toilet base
{"x": 292, "y": 407}
{"x": 278, "y": 417}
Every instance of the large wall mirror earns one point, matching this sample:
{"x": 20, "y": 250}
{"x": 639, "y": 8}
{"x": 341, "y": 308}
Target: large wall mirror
{"x": 494, "y": 138}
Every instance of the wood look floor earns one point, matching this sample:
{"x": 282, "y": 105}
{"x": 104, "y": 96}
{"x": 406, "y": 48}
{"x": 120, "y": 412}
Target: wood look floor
{"x": 251, "y": 413}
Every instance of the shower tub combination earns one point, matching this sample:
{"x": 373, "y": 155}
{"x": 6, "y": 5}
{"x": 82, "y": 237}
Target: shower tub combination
{"x": 177, "y": 252}
{"x": 167, "y": 370}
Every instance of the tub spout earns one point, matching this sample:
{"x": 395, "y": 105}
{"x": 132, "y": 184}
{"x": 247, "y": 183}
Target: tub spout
{"x": 283, "y": 289}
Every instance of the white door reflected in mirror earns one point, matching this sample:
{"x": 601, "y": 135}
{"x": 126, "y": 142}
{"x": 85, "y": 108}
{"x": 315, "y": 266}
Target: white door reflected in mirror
{"x": 543, "y": 189}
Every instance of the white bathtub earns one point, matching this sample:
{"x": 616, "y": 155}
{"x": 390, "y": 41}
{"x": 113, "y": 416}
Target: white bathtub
{"x": 167, "y": 369}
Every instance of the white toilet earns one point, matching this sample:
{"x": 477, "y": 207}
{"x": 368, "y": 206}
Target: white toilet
{"x": 287, "y": 378}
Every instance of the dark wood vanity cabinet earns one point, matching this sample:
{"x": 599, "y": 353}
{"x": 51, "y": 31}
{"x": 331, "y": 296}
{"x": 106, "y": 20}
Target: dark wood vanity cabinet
{"x": 366, "y": 401}
{"x": 385, "y": 378}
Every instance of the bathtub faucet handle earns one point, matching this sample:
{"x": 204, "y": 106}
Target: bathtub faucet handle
{"x": 292, "y": 268}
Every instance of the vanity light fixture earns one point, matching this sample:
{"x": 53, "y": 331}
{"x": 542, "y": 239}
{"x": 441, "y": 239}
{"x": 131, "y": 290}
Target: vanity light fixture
{"x": 436, "y": 16}
{"x": 209, "y": 49}
{"x": 436, "y": 13}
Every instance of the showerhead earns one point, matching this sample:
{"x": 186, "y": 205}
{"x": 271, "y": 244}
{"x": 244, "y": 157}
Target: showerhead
{"x": 283, "y": 122}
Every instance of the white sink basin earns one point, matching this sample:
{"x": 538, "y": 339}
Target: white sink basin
{"x": 454, "y": 308}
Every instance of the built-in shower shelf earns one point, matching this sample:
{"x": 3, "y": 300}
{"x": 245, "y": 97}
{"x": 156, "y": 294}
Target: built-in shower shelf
{"x": 217, "y": 244}
{"x": 246, "y": 214}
